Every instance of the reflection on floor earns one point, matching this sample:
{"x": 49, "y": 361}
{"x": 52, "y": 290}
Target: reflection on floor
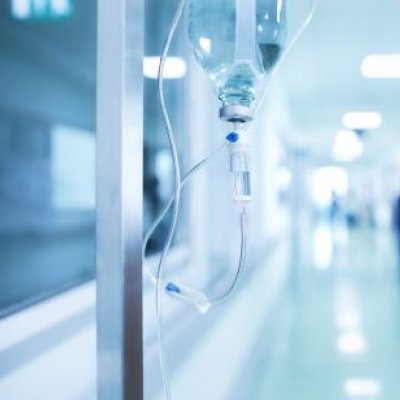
{"x": 339, "y": 334}
{"x": 332, "y": 333}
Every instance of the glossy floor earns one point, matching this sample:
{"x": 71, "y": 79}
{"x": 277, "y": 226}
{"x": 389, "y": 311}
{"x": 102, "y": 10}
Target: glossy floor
{"x": 338, "y": 335}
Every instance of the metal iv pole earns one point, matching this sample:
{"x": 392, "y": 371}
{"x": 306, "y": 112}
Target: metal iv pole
{"x": 119, "y": 196}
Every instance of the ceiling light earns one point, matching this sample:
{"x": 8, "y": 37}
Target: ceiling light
{"x": 347, "y": 147}
{"x": 362, "y": 120}
{"x": 21, "y": 9}
{"x": 175, "y": 67}
{"x": 41, "y": 9}
{"x": 60, "y": 7}
{"x": 362, "y": 388}
{"x": 381, "y": 66}
{"x": 352, "y": 343}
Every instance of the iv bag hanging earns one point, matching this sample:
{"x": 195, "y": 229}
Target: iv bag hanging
{"x": 238, "y": 42}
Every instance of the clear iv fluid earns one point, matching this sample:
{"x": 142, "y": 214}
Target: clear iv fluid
{"x": 270, "y": 55}
{"x": 237, "y": 42}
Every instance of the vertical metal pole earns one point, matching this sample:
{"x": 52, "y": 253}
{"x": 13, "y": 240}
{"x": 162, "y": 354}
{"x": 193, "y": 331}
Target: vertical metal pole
{"x": 120, "y": 199}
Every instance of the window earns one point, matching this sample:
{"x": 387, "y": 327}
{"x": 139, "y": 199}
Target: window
{"x": 73, "y": 169}
{"x": 47, "y": 140}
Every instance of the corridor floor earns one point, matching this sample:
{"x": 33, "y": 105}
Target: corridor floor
{"x": 338, "y": 337}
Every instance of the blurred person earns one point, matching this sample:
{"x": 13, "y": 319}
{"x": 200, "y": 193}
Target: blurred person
{"x": 369, "y": 205}
{"x": 334, "y": 208}
{"x": 396, "y": 223}
{"x": 352, "y": 216}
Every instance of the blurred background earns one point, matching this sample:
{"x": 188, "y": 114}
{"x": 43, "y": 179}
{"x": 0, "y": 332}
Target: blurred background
{"x": 318, "y": 312}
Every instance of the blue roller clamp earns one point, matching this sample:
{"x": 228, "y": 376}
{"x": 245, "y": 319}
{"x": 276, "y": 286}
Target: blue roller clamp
{"x": 172, "y": 288}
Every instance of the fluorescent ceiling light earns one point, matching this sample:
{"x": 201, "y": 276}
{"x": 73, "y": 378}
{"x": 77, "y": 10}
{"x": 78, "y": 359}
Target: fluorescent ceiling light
{"x": 381, "y": 66}
{"x": 362, "y": 388}
{"x": 175, "y": 67}
{"x": 21, "y": 9}
{"x": 41, "y": 9}
{"x": 347, "y": 147}
{"x": 61, "y": 7}
{"x": 351, "y": 343}
{"x": 362, "y": 120}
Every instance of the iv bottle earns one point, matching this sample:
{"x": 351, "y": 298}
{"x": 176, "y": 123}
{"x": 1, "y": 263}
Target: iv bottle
{"x": 237, "y": 42}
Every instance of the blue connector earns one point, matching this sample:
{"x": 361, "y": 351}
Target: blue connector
{"x": 233, "y": 137}
{"x": 172, "y": 288}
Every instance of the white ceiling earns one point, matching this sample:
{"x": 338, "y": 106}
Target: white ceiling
{"x": 323, "y": 80}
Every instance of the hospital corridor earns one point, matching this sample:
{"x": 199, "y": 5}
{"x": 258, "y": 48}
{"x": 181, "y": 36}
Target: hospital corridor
{"x": 199, "y": 199}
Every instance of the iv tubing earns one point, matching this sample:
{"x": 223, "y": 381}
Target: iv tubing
{"x": 176, "y": 164}
{"x": 242, "y": 261}
{"x": 197, "y": 167}
{"x": 243, "y": 233}
{"x": 206, "y": 303}
{"x": 176, "y": 197}
{"x": 201, "y": 301}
